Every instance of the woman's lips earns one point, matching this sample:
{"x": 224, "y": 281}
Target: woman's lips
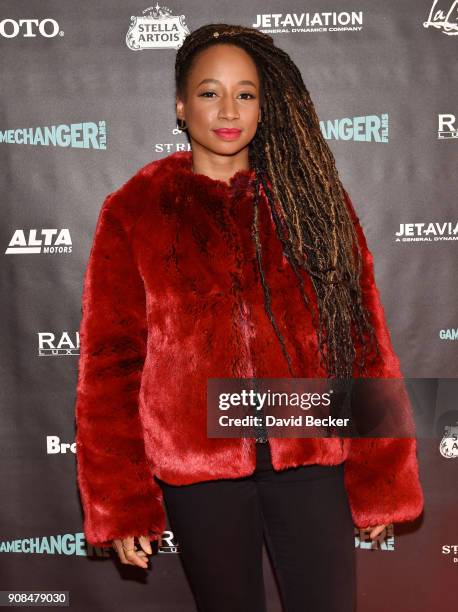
{"x": 228, "y": 134}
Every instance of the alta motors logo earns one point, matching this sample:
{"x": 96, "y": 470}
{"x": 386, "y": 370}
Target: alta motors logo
{"x": 29, "y": 28}
{"x": 52, "y": 241}
{"x": 156, "y": 28}
{"x": 449, "y": 444}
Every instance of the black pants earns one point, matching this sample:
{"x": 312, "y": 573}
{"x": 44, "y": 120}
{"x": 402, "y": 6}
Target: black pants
{"x": 304, "y": 515}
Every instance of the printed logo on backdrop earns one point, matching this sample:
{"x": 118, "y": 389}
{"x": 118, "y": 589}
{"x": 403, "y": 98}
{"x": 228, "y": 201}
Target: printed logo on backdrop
{"x": 368, "y": 128}
{"x": 298, "y": 23}
{"x": 66, "y": 544}
{"x": 427, "y": 232}
{"x": 451, "y": 551}
{"x": 177, "y": 130}
{"x": 384, "y": 541}
{"x": 54, "y": 446}
{"x": 29, "y": 28}
{"x": 449, "y": 444}
{"x": 48, "y": 240}
{"x": 156, "y": 28}
{"x": 443, "y": 15}
{"x": 51, "y": 345}
{"x": 446, "y": 128}
{"x": 71, "y": 544}
{"x": 87, "y": 135}
{"x": 168, "y": 543}
{"x": 448, "y": 334}
{"x": 170, "y": 147}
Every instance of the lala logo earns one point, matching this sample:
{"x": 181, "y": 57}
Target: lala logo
{"x": 449, "y": 444}
{"x": 156, "y": 28}
{"x": 447, "y": 21}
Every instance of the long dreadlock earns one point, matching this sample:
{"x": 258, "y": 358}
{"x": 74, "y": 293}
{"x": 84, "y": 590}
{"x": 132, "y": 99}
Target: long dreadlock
{"x": 290, "y": 154}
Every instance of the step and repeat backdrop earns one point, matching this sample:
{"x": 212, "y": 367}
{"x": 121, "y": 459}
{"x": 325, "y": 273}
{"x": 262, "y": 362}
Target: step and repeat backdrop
{"x": 87, "y": 98}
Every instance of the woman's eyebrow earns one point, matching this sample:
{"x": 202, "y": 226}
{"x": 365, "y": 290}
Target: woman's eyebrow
{"x": 216, "y": 81}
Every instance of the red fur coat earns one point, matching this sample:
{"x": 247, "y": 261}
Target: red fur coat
{"x": 171, "y": 258}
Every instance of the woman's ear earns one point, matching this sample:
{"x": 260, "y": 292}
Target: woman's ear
{"x": 179, "y": 108}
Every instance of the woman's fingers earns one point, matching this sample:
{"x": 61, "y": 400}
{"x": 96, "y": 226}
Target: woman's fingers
{"x": 145, "y": 544}
{"x": 117, "y": 545}
{"x": 135, "y": 559}
{"x": 129, "y": 554}
{"x": 376, "y": 531}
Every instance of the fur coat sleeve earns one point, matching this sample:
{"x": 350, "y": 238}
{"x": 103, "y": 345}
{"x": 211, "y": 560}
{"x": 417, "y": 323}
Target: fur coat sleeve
{"x": 119, "y": 494}
{"x": 382, "y": 474}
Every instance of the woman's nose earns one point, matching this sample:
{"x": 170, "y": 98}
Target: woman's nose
{"x": 228, "y": 108}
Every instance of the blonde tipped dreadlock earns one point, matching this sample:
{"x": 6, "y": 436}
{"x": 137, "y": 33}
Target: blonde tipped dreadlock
{"x": 290, "y": 150}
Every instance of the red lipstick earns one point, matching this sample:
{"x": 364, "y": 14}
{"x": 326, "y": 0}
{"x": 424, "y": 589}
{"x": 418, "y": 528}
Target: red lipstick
{"x": 228, "y": 133}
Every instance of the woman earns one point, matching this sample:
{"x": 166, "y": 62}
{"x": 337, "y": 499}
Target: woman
{"x": 243, "y": 258}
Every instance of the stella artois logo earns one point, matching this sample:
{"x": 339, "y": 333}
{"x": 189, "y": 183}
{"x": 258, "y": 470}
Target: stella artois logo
{"x": 156, "y": 28}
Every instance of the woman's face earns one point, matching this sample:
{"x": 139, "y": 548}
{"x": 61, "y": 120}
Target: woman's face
{"x": 222, "y": 93}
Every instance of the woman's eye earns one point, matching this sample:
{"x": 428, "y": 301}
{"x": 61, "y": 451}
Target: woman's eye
{"x": 210, "y": 94}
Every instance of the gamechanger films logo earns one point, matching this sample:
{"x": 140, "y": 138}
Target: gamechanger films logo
{"x": 156, "y": 28}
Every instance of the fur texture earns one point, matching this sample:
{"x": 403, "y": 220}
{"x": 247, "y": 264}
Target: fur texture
{"x": 172, "y": 297}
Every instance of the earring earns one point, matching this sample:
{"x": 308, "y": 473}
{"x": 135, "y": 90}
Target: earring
{"x": 181, "y": 126}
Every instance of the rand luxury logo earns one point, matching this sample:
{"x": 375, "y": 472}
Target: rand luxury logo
{"x": 447, "y": 127}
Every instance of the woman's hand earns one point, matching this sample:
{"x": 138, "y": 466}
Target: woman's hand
{"x": 376, "y": 531}
{"x": 129, "y": 553}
